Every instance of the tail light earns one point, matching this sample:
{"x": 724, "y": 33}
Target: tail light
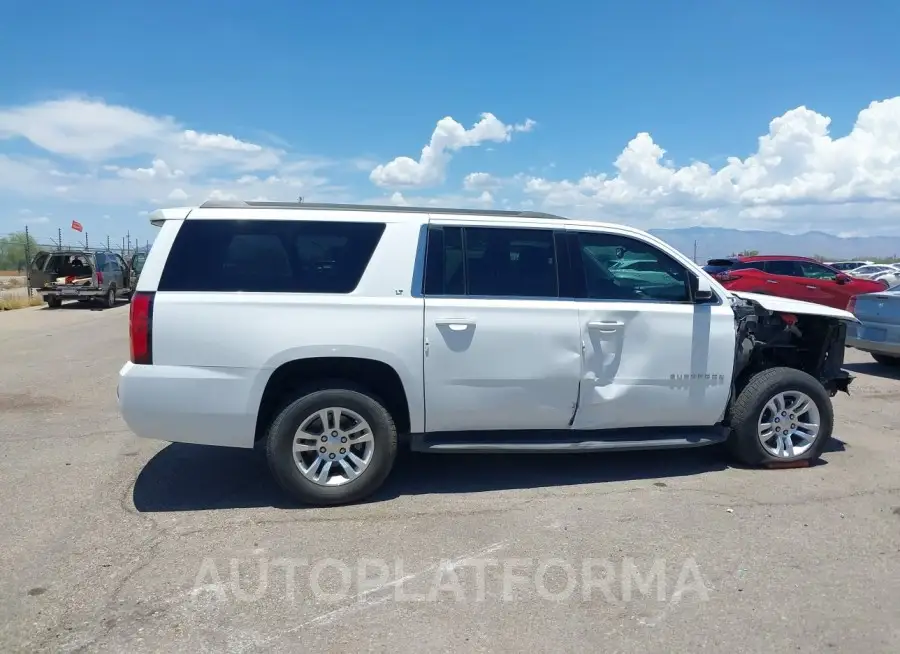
{"x": 851, "y": 305}
{"x": 99, "y": 276}
{"x": 726, "y": 277}
{"x": 141, "y": 328}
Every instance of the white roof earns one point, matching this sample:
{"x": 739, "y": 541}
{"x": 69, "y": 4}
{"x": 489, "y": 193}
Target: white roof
{"x": 225, "y": 210}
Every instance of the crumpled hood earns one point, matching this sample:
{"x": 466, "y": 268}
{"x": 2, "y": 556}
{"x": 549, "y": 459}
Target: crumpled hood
{"x": 785, "y": 305}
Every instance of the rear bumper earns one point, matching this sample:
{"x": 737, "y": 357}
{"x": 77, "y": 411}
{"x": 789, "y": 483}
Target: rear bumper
{"x": 876, "y": 347}
{"x": 71, "y": 293}
{"x": 878, "y": 338}
{"x": 181, "y": 404}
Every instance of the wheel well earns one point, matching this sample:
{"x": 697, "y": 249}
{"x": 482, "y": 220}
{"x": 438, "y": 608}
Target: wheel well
{"x": 377, "y": 377}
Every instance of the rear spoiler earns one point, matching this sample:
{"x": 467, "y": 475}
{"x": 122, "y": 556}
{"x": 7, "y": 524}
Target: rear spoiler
{"x": 158, "y": 217}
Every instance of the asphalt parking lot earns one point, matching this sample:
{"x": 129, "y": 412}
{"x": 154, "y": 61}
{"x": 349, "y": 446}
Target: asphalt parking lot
{"x": 111, "y": 543}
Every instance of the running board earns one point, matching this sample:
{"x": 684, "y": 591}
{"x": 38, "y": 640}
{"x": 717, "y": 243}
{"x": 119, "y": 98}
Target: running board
{"x": 618, "y": 440}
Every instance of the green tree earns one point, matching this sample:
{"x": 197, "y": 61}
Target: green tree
{"x": 13, "y": 249}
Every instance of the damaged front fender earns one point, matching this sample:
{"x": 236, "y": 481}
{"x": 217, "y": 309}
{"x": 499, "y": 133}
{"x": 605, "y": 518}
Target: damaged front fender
{"x": 774, "y": 331}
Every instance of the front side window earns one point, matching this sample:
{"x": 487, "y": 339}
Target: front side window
{"x": 274, "y": 256}
{"x": 815, "y": 271}
{"x": 610, "y": 274}
{"x": 491, "y": 262}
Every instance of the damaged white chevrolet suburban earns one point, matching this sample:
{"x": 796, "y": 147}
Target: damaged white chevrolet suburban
{"x": 325, "y": 332}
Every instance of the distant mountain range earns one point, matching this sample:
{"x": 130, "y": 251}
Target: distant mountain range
{"x": 714, "y": 242}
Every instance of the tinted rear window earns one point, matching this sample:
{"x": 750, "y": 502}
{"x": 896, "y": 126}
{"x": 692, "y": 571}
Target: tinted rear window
{"x": 274, "y": 256}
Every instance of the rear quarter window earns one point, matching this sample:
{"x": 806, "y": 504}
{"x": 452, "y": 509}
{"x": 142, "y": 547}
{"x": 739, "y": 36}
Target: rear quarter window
{"x": 270, "y": 256}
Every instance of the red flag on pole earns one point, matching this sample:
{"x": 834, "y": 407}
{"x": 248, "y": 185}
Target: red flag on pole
{"x": 77, "y": 226}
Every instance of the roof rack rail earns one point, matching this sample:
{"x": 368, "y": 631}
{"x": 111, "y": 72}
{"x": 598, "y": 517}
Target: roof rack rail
{"x": 241, "y": 204}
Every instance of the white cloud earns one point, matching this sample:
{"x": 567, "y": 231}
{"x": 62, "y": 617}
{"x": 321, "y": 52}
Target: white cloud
{"x": 801, "y": 176}
{"x": 527, "y": 126}
{"x": 91, "y": 130}
{"x": 448, "y": 136}
{"x": 158, "y": 170}
{"x": 799, "y": 171}
{"x": 482, "y": 201}
{"x": 93, "y": 152}
{"x": 87, "y": 129}
{"x": 481, "y": 181}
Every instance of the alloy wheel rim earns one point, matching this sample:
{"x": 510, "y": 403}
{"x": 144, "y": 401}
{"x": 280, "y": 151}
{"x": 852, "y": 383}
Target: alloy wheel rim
{"x": 333, "y": 446}
{"x": 789, "y": 424}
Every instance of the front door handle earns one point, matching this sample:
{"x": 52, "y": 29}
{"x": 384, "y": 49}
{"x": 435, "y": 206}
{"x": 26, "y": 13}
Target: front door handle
{"x": 812, "y": 287}
{"x": 606, "y": 326}
{"x": 455, "y": 324}
{"x": 771, "y": 281}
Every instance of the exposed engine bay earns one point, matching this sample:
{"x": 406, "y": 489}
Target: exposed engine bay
{"x": 768, "y": 339}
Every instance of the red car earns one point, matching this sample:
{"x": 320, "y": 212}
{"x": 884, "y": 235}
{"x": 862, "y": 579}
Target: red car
{"x": 797, "y": 278}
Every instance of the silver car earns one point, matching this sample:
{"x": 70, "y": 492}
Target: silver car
{"x": 879, "y": 330}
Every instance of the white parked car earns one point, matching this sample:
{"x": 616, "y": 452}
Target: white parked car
{"x": 847, "y": 266}
{"x": 873, "y": 271}
{"x": 325, "y": 332}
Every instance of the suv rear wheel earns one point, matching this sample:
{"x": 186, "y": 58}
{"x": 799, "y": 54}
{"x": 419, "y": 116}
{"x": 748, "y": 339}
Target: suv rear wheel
{"x": 334, "y": 444}
{"x": 781, "y": 415}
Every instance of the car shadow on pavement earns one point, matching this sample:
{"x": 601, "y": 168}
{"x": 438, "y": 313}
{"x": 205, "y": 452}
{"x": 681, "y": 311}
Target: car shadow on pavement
{"x": 184, "y": 477}
{"x": 872, "y": 368}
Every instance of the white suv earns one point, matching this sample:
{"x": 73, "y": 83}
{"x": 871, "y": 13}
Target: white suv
{"x": 325, "y": 331}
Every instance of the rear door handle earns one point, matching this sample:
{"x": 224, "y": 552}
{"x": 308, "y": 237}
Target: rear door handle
{"x": 455, "y": 324}
{"x": 812, "y": 287}
{"x": 606, "y": 326}
{"x": 771, "y": 281}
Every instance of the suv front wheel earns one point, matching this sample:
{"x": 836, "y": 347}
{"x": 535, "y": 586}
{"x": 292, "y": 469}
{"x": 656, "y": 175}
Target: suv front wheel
{"x": 782, "y": 415}
{"x": 334, "y": 444}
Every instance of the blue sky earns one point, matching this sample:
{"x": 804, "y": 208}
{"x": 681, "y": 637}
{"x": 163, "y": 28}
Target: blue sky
{"x": 315, "y": 96}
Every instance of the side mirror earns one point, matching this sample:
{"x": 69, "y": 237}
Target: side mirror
{"x": 702, "y": 290}
{"x": 841, "y": 278}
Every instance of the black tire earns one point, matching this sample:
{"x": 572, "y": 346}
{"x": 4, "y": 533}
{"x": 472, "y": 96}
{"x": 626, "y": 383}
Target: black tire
{"x": 279, "y": 444}
{"x": 886, "y": 360}
{"x": 110, "y": 299}
{"x": 743, "y": 442}
{"x": 54, "y": 302}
